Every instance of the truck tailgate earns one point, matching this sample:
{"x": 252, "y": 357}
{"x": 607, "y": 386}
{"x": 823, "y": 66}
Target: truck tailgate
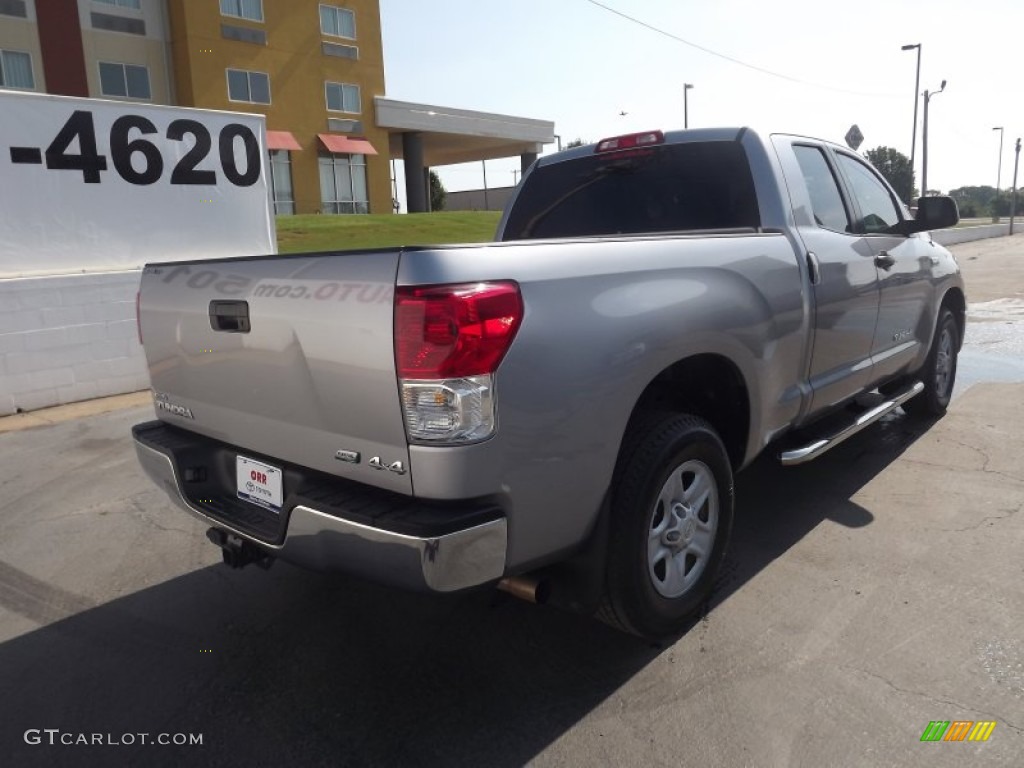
{"x": 291, "y": 358}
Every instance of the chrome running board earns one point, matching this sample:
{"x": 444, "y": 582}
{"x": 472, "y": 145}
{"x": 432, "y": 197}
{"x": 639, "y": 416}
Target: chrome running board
{"x": 814, "y": 450}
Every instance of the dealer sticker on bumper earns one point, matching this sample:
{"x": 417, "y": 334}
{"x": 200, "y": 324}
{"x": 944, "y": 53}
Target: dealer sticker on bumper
{"x": 259, "y": 483}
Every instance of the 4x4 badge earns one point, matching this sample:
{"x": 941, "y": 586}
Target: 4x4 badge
{"x": 396, "y": 466}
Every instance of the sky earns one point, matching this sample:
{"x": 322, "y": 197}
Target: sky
{"x": 834, "y": 64}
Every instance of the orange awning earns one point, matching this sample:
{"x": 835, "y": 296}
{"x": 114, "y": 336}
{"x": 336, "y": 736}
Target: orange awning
{"x": 282, "y": 140}
{"x": 346, "y": 145}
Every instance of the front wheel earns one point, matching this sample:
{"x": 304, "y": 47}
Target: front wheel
{"x": 939, "y": 371}
{"x": 672, "y": 512}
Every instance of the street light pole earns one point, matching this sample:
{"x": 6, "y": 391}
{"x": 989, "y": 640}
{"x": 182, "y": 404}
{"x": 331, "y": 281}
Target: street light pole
{"x": 999, "y": 175}
{"x": 686, "y": 105}
{"x": 1013, "y": 194}
{"x": 917, "y": 92}
{"x": 924, "y": 139}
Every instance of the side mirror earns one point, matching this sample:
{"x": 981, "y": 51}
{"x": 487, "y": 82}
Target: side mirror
{"x": 933, "y": 212}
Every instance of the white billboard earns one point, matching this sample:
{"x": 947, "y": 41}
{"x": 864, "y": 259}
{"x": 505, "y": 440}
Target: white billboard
{"x": 89, "y": 185}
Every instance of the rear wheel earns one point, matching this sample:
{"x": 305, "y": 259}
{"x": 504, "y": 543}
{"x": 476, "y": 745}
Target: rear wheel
{"x": 672, "y": 511}
{"x": 939, "y": 371}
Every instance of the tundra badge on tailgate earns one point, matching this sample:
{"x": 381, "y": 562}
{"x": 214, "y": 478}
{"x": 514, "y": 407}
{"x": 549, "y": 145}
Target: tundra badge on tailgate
{"x": 163, "y": 403}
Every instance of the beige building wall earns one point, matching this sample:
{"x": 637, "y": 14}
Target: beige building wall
{"x": 17, "y": 34}
{"x": 123, "y": 49}
{"x": 149, "y": 50}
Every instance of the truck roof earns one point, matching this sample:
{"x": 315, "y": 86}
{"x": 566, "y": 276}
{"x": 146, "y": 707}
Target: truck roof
{"x": 671, "y": 137}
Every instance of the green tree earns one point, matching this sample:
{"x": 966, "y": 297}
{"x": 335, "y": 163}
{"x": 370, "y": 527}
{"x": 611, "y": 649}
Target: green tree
{"x": 895, "y": 167}
{"x": 975, "y": 201}
{"x": 438, "y": 193}
{"x": 577, "y": 142}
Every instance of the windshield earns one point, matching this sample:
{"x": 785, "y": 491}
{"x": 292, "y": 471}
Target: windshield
{"x": 669, "y": 188}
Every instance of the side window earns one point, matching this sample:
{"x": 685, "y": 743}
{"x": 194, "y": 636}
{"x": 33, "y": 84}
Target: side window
{"x": 876, "y": 204}
{"x": 826, "y": 202}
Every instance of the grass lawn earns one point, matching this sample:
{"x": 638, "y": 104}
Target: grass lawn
{"x": 329, "y": 233}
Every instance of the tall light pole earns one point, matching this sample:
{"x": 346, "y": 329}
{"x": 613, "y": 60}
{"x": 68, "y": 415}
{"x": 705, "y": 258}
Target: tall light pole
{"x": 924, "y": 139}
{"x": 686, "y": 105}
{"x": 999, "y": 174}
{"x": 917, "y": 86}
{"x": 1013, "y": 194}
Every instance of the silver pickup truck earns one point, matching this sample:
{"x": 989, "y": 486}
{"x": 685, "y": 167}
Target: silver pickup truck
{"x": 559, "y": 413}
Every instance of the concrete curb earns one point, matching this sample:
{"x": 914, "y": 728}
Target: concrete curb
{"x": 958, "y": 235}
{"x": 61, "y": 413}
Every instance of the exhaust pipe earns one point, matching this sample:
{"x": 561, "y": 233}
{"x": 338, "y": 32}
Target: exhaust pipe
{"x": 237, "y": 552}
{"x": 526, "y": 588}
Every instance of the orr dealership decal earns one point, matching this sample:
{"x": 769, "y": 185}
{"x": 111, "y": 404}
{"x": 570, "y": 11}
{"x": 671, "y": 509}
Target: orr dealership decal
{"x": 55, "y": 737}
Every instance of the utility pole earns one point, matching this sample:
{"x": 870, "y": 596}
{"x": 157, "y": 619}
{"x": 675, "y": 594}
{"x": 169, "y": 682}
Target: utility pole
{"x": 924, "y": 139}
{"x": 999, "y": 175}
{"x": 515, "y": 177}
{"x": 686, "y": 104}
{"x": 1013, "y": 194}
{"x": 917, "y": 96}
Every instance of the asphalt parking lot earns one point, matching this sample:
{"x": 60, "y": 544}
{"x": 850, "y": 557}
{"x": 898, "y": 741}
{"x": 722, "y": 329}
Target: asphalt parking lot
{"x": 865, "y": 595}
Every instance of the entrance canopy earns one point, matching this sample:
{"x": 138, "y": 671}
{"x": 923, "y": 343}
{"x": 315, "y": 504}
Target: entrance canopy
{"x": 448, "y": 136}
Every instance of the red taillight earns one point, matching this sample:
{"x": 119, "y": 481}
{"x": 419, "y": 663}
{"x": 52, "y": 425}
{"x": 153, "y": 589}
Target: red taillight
{"x": 630, "y": 141}
{"x": 138, "y": 319}
{"x": 451, "y": 331}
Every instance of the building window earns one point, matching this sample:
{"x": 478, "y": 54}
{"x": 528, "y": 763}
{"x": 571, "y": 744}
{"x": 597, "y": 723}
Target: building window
{"x": 127, "y": 80}
{"x": 342, "y": 97}
{"x": 16, "y": 70}
{"x": 242, "y": 9}
{"x": 15, "y": 8}
{"x": 135, "y": 4}
{"x": 253, "y": 87}
{"x": 337, "y": 22}
{"x": 343, "y": 184}
{"x": 281, "y": 182}
{"x": 341, "y": 51}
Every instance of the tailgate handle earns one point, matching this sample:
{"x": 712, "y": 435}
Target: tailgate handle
{"x": 230, "y": 316}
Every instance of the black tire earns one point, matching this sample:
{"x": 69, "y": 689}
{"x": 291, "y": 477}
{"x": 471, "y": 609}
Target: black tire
{"x": 939, "y": 371}
{"x": 656, "y": 582}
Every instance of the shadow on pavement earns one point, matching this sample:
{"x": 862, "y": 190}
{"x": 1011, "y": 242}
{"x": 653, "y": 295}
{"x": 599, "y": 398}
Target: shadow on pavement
{"x": 290, "y": 667}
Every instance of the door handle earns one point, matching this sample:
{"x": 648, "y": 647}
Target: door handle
{"x": 885, "y": 260}
{"x": 230, "y": 316}
{"x": 813, "y": 269}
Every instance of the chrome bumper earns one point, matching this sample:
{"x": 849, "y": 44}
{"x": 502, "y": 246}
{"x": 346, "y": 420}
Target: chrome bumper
{"x": 454, "y": 561}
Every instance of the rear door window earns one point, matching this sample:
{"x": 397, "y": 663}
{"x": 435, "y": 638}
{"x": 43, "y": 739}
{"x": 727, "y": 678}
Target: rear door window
{"x": 826, "y": 200}
{"x": 667, "y": 188}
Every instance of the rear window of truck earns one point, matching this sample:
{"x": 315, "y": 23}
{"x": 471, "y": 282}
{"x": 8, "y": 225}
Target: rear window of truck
{"x": 667, "y": 188}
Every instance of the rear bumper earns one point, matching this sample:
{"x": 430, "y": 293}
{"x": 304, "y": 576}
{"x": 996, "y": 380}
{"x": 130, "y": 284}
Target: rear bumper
{"x": 395, "y": 540}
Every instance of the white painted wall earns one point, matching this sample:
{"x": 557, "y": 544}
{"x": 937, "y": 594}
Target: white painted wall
{"x": 68, "y": 338}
